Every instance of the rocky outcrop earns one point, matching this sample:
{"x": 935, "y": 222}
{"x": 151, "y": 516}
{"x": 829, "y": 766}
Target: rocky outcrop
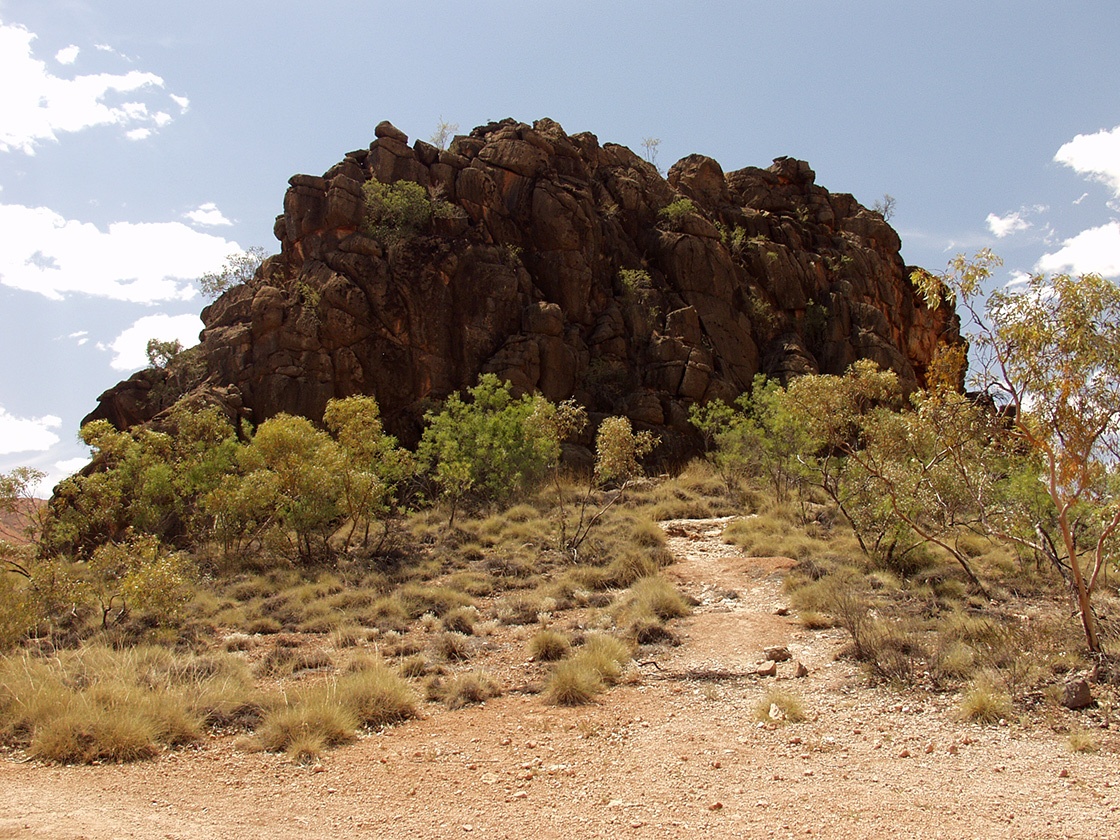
{"x": 568, "y": 267}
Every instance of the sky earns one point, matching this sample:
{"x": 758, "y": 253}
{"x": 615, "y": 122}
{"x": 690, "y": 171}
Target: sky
{"x": 142, "y": 143}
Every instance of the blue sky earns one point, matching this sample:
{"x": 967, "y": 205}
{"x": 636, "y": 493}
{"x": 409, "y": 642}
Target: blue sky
{"x": 140, "y": 142}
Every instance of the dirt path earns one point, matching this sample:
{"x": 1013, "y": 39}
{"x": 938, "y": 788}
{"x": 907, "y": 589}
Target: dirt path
{"x": 677, "y": 754}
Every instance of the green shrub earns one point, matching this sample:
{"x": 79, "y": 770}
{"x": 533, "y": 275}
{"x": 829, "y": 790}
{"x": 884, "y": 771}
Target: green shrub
{"x": 490, "y": 446}
{"x": 675, "y": 213}
{"x": 396, "y": 211}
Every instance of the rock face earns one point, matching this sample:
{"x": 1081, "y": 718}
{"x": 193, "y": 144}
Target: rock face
{"x": 565, "y": 266}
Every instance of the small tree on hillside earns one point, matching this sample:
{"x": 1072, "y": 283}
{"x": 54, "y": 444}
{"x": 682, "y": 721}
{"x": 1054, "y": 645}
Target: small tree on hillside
{"x": 373, "y": 466}
{"x": 488, "y": 446}
{"x": 1051, "y": 349}
{"x": 238, "y": 268}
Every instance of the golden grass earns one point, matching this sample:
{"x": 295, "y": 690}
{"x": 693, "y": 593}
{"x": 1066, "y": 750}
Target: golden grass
{"x": 549, "y": 646}
{"x": 101, "y": 704}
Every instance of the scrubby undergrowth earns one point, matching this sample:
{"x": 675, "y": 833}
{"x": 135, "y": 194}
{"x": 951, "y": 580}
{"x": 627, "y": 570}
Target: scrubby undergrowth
{"x": 299, "y": 658}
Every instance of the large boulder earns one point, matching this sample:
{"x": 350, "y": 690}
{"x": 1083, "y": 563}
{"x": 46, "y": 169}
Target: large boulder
{"x": 520, "y": 273}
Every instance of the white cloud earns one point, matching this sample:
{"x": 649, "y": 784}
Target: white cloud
{"x": 208, "y": 214}
{"x": 27, "y": 434}
{"x": 1007, "y": 225}
{"x": 82, "y": 337}
{"x": 37, "y": 105}
{"x": 67, "y": 468}
{"x": 40, "y": 251}
{"x": 130, "y": 348}
{"x": 1093, "y": 251}
{"x": 139, "y": 134}
{"x": 182, "y": 102}
{"x": 1096, "y": 155}
{"x": 66, "y": 55}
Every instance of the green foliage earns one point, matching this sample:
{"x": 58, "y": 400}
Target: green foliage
{"x": 373, "y": 466}
{"x": 674, "y": 214}
{"x": 139, "y": 573}
{"x": 636, "y": 284}
{"x": 286, "y": 490}
{"x": 1052, "y": 346}
{"x": 491, "y": 445}
{"x": 161, "y": 353}
{"x": 17, "y": 497}
{"x": 761, "y": 435}
{"x": 147, "y": 480}
{"x": 734, "y": 238}
{"x": 618, "y": 448}
{"x": 396, "y": 211}
{"x": 238, "y": 269}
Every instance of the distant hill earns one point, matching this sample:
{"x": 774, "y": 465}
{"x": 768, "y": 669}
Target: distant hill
{"x": 12, "y": 524}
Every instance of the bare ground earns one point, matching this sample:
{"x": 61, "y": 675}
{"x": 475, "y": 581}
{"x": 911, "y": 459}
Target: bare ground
{"x": 677, "y": 753}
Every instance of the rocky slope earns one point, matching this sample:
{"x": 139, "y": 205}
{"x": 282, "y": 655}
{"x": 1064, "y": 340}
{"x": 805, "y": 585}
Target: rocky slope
{"x": 559, "y": 269}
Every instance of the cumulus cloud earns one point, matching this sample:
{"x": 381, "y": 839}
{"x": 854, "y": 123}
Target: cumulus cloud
{"x": 208, "y": 214}
{"x": 130, "y": 348}
{"x": 1003, "y": 226}
{"x": 1095, "y": 155}
{"x": 182, "y": 102}
{"x": 37, "y": 105}
{"x": 40, "y": 251}
{"x": 1093, "y": 251}
{"x": 67, "y": 55}
{"x": 65, "y": 469}
{"x": 27, "y": 434}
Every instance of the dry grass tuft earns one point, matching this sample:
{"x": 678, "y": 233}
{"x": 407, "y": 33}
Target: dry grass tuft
{"x": 985, "y": 701}
{"x": 549, "y": 646}
{"x": 779, "y": 706}
{"x": 573, "y": 682}
{"x": 101, "y": 704}
{"x": 469, "y": 688}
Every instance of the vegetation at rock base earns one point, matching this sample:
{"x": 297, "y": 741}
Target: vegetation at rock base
{"x": 194, "y": 566}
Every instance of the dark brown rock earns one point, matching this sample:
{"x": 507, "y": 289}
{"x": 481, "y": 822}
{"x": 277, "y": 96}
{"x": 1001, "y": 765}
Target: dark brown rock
{"x": 1076, "y": 694}
{"x": 521, "y": 276}
{"x": 386, "y": 129}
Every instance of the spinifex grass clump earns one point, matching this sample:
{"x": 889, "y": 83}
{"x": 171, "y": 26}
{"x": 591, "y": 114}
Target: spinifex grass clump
{"x": 647, "y": 605}
{"x": 101, "y": 704}
{"x": 586, "y": 673}
{"x": 305, "y": 722}
{"x": 549, "y": 646}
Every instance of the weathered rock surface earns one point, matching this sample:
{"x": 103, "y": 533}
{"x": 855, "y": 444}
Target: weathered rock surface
{"x": 770, "y": 274}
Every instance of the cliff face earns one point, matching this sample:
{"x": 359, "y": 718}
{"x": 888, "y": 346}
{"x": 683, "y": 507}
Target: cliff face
{"x": 561, "y": 271}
